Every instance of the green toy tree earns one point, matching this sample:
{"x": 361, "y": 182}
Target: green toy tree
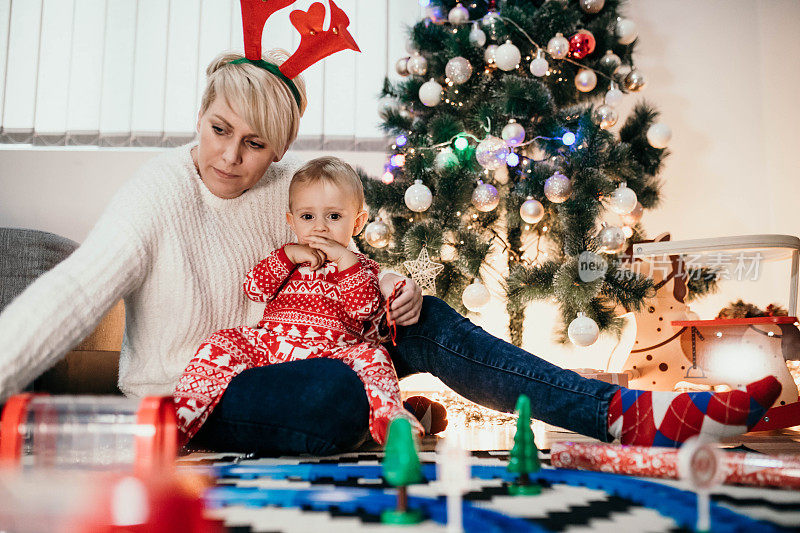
{"x": 401, "y": 467}
{"x": 504, "y": 146}
{"x": 524, "y": 456}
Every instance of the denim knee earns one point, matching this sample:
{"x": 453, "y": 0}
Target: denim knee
{"x": 344, "y": 400}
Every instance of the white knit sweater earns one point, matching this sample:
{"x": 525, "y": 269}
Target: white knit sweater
{"x": 175, "y": 252}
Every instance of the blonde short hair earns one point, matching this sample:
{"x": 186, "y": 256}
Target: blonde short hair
{"x": 263, "y": 101}
{"x": 333, "y": 170}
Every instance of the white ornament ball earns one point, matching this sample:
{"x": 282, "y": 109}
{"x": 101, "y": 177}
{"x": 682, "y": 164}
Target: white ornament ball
{"x": 485, "y": 197}
{"x": 583, "y": 331}
{"x": 458, "y": 15}
{"x": 531, "y": 210}
{"x": 558, "y": 188}
{"x": 558, "y": 46}
{"x": 417, "y": 65}
{"x": 445, "y": 159}
{"x": 633, "y": 218}
{"x": 611, "y": 239}
{"x": 430, "y": 93}
{"x": 507, "y": 56}
{"x": 585, "y": 80}
{"x": 592, "y": 6}
{"x": 539, "y": 66}
{"x": 613, "y": 96}
{"x": 475, "y": 296}
{"x": 623, "y": 200}
{"x": 513, "y": 134}
{"x": 659, "y": 135}
{"x": 626, "y": 31}
{"x": 418, "y": 197}
{"x": 476, "y": 35}
{"x": 489, "y": 54}
{"x": 604, "y": 116}
{"x": 491, "y": 152}
{"x": 458, "y": 69}
{"x": 402, "y": 66}
{"x": 377, "y": 234}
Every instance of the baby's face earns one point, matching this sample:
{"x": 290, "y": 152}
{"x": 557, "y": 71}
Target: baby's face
{"x": 324, "y": 209}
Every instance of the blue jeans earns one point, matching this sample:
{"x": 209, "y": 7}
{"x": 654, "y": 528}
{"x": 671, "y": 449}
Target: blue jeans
{"x": 319, "y": 406}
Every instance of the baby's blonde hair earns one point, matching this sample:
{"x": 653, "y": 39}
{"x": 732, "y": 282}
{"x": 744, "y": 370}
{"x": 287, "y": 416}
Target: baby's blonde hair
{"x": 259, "y": 97}
{"x": 331, "y": 170}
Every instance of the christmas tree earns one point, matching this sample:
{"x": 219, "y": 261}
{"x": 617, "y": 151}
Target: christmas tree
{"x": 524, "y": 455}
{"x": 503, "y": 148}
{"x": 401, "y": 467}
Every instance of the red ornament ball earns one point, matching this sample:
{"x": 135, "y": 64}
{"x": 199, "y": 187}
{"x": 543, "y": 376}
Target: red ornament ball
{"x": 581, "y": 44}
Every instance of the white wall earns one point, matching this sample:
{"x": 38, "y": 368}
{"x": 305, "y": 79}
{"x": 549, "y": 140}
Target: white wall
{"x": 724, "y": 75}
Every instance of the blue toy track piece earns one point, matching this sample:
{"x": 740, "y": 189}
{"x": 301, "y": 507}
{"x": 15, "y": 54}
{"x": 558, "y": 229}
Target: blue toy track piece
{"x": 671, "y": 502}
{"x": 365, "y": 500}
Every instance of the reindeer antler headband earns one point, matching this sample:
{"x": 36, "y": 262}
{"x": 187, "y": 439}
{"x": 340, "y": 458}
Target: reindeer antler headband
{"x": 315, "y": 43}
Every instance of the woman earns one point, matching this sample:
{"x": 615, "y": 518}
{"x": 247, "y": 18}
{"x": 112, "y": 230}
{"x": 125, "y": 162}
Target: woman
{"x": 175, "y": 243}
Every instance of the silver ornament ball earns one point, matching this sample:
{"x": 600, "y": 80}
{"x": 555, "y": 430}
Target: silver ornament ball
{"x": 430, "y": 93}
{"x": 417, "y": 65}
{"x": 613, "y": 96}
{"x": 539, "y": 66}
{"x": 475, "y": 296}
{"x": 507, "y": 56}
{"x": 659, "y": 135}
{"x": 513, "y": 134}
{"x": 592, "y": 6}
{"x": 489, "y": 54}
{"x": 583, "y": 331}
{"x": 626, "y": 31}
{"x": 458, "y": 69}
{"x": 604, "y": 116}
{"x": 402, "y": 66}
{"x": 634, "y": 81}
{"x": 531, "y": 210}
{"x": 445, "y": 159}
{"x": 558, "y": 47}
{"x": 485, "y": 197}
{"x": 623, "y": 200}
{"x": 610, "y": 61}
{"x": 585, "y": 80}
{"x": 418, "y": 197}
{"x": 476, "y": 35}
{"x": 458, "y": 15}
{"x": 491, "y": 152}
{"x": 377, "y": 234}
{"x": 611, "y": 239}
{"x": 558, "y": 188}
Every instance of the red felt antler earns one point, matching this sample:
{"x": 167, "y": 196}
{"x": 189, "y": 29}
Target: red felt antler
{"x": 254, "y": 15}
{"x": 316, "y": 44}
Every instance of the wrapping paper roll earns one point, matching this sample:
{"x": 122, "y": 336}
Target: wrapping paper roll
{"x": 745, "y": 468}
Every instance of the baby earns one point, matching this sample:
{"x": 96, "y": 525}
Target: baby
{"x": 321, "y": 299}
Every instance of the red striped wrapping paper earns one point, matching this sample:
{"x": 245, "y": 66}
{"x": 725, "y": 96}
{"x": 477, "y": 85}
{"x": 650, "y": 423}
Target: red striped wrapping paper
{"x": 745, "y": 468}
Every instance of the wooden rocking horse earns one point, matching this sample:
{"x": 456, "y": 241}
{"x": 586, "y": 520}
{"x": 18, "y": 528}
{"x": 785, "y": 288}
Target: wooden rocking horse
{"x": 672, "y": 346}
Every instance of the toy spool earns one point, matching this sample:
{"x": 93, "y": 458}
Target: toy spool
{"x": 89, "y": 432}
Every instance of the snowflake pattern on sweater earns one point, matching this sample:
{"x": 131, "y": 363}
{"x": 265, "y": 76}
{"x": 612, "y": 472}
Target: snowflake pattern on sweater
{"x": 309, "y": 313}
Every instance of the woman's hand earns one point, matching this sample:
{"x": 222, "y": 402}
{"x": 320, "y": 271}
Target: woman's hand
{"x": 406, "y": 307}
{"x": 334, "y": 251}
{"x": 302, "y": 253}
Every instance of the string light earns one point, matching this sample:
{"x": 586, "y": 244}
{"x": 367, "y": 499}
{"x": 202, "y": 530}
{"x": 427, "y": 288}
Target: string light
{"x": 568, "y": 138}
{"x": 461, "y": 143}
{"x": 401, "y": 140}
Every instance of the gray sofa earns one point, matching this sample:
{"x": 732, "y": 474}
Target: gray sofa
{"x": 91, "y": 367}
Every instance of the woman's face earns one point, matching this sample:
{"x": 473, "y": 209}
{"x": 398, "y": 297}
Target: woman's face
{"x": 230, "y": 157}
